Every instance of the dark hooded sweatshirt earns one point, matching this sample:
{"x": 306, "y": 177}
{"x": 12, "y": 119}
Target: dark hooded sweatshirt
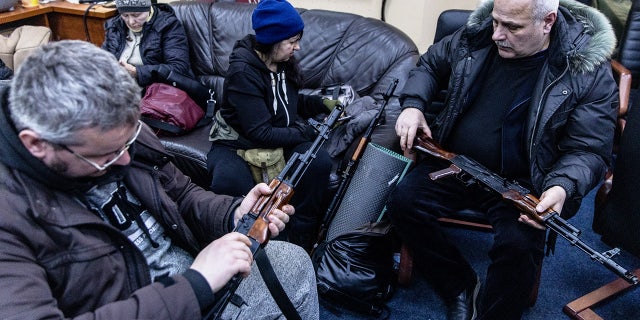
{"x": 261, "y": 105}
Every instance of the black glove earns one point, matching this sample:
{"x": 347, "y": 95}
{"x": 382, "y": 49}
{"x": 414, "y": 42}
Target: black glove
{"x": 306, "y": 130}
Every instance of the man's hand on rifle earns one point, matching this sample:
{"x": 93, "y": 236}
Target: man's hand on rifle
{"x": 408, "y": 123}
{"x": 553, "y": 198}
{"x": 277, "y": 219}
{"x": 223, "y": 258}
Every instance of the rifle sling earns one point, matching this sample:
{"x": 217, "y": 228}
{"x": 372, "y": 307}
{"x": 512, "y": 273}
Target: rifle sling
{"x": 274, "y": 286}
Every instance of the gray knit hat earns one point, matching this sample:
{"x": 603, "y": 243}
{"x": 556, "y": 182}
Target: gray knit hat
{"x": 133, "y": 5}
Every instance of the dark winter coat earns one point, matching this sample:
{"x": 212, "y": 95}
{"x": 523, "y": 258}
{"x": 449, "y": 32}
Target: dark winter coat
{"x": 571, "y": 121}
{"x": 5, "y": 72}
{"x": 60, "y": 260}
{"x": 164, "y": 43}
{"x": 256, "y": 106}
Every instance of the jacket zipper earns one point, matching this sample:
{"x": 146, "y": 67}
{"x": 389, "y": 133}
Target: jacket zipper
{"x": 544, "y": 93}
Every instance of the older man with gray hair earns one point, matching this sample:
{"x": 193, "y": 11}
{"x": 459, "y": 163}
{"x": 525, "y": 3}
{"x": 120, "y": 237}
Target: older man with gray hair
{"x": 531, "y": 97}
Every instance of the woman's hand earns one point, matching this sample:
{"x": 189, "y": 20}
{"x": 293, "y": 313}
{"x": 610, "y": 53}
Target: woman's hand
{"x": 130, "y": 68}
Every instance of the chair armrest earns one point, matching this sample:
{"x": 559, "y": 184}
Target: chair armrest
{"x": 624, "y": 85}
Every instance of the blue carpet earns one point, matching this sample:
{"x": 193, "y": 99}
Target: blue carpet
{"x": 567, "y": 275}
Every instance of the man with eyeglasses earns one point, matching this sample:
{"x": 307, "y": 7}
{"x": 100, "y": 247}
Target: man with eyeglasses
{"x": 95, "y": 221}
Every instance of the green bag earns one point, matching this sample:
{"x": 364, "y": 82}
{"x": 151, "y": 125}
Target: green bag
{"x": 220, "y": 130}
{"x": 265, "y": 164}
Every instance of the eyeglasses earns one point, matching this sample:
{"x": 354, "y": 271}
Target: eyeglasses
{"x": 107, "y": 164}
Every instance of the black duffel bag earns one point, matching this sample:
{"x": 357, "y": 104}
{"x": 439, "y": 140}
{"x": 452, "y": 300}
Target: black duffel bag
{"x": 355, "y": 269}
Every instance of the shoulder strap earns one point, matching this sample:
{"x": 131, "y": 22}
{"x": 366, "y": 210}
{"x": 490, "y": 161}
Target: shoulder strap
{"x": 274, "y": 286}
{"x": 159, "y": 124}
{"x": 210, "y": 112}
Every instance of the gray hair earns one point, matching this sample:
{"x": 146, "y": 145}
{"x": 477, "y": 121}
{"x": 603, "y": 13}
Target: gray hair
{"x": 70, "y": 85}
{"x": 542, "y": 7}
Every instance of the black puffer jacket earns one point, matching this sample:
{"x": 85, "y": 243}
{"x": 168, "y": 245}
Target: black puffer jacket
{"x": 572, "y": 119}
{"x": 164, "y": 42}
{"x": 261, "y": 105}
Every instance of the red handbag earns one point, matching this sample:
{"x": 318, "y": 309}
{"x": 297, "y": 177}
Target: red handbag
{"x": 169, "y": 109}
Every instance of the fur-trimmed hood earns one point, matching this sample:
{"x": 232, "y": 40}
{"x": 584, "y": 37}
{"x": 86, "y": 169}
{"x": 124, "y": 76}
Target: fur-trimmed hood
{"x": 583, "y": 34}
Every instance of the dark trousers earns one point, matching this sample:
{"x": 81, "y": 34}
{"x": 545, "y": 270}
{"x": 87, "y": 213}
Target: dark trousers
{"x": 232, "y": 176}
{"x": 516, "y": 253}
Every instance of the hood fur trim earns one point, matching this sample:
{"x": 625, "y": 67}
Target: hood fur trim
{"x": 585, "y": 51}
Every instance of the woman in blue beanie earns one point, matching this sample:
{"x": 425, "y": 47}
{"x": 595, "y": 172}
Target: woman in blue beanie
{"x": 262, "y": 106}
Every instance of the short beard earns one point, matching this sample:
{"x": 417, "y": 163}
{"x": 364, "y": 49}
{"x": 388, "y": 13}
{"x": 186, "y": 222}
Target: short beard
{"x": 59, "y": 167}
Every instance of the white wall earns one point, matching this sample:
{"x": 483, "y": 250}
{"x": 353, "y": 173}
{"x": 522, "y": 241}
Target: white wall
{"x": 417, "y": 18}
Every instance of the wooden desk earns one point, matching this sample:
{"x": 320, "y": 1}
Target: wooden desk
{"x": 65, "y": 19}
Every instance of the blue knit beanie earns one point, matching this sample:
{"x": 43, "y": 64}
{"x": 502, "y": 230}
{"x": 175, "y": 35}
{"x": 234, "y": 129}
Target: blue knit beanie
{"x": 275, "y": 20}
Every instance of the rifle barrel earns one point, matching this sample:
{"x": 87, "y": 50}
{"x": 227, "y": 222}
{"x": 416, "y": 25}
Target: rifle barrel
{"x": 595, "y": 255}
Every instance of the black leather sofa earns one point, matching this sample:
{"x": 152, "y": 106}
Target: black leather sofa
{"x": 336, "y": 48}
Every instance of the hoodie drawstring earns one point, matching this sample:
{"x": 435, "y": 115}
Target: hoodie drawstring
{"x": 273, "y": 89}
{"x": 278, "y": 94}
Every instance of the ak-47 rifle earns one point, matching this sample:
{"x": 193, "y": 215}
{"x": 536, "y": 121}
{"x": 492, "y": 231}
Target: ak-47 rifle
{"x": 470, "y": 172}
{"x": 347, "y": 175}
{"x": 255, "y": 223}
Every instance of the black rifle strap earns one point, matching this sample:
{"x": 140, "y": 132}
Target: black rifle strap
{"x": 274, "y": 286}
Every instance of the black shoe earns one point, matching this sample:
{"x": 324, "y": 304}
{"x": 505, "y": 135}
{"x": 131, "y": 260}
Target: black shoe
{"x": 463, "y": 307}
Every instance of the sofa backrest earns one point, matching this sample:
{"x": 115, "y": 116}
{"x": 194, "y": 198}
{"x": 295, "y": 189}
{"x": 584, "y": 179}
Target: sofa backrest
{"x": 336, "y": 47}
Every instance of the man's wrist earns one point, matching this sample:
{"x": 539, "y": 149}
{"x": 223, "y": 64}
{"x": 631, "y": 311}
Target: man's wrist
{"x": 206, "y": 297}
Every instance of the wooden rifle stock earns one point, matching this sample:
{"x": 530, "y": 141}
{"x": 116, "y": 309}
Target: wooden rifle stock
{"x": 470, "y": 172}
{"x": 255, "y": 224}
{"x": 282, "y": 193}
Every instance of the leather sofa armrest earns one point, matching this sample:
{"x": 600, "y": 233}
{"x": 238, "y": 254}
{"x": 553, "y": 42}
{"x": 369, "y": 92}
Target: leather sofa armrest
{"x": 190, "y": 154}
{"x": 21, "y": 42}
{"x": 30, "y": 37}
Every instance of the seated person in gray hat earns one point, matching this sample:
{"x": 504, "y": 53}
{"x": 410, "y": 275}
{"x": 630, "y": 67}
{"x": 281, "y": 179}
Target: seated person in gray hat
{"x": 97, "y": 223}
{"x": 145, "y": 37}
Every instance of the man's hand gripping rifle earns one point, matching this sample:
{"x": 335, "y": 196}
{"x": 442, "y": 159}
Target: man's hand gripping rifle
{"x": 470, "y": 172}
{"x": 255, "y": 223}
